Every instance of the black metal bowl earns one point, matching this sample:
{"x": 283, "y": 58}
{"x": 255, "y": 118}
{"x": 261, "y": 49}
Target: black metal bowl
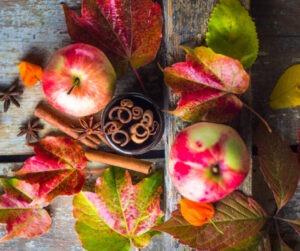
{"x": 115, "y": 111}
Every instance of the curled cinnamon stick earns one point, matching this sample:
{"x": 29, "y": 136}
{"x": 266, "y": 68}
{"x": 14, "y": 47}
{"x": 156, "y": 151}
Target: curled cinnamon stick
{"x": 137, "y": 112}
{"x": 111, "y": 126}
{"x": 126, "y": 102}
{"x": 120, "y": 137}
{"x": 130, "y": 163}
{"x": 49, "y": 115}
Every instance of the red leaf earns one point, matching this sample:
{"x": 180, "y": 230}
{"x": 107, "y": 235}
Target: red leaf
{"x": 237, "y": 217}
{"x": 280, "y": 245}
{"x": 208, "y": 84}
{"x": 278, "y": 164}
{"x": 294, "y": 223}
{"x": 23, "y": 218}
{"x": 56, "y": 167}
{"x": 125, "y": 30}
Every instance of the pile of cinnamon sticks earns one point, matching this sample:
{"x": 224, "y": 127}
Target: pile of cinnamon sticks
{"x": 67, "y": 124}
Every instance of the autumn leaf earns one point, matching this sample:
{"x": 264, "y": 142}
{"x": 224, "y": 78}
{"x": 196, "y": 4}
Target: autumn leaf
{"x": 208, "y": 84}
{"x": 286, "y": 92}
{"x": 294, "y": 223}
{"x": 196, "y": 213}
{"x": 237, "y": 216}
{"x": 118, "y": 213}
{"x": 232, "y": 32}
{"x": 256, "y": 242}
{"x": 280, "y": 245}
{"x": 23, "y": 217}
{"x": 127, "y": 31}
{"x": 278, "y": 164}
{"x": 56, "y": 167}
{"x": 30, "y": 74}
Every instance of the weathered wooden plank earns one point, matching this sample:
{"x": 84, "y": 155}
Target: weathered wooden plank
{"x": 35, "y": 29}
{"x": 276, "y": 54}
{"x": 185, "y": 23}
{"x": 31, "y": 30}
{"x": 34, "y": 32}
{"x": 278, "y": 30}
{"x": 277, "y": 18}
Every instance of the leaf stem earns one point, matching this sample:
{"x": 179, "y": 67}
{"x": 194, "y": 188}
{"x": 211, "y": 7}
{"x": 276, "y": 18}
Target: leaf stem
{"x": 277, "y": 228}
{"x": 259, "y": 116}
{"x": 8, "y": 177}
{"x": 215, "y": 226}
{"x": 140, "y": 80}
{"x": 94, "y": 170}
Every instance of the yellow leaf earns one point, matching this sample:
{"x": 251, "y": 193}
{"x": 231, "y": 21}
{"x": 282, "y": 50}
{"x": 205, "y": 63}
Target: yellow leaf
{"x": 30, "y": 74}
{"x": 287, "y": 90}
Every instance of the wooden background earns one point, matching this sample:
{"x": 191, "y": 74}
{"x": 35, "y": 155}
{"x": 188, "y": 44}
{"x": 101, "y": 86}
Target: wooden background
{"x": 278, "y": 29}
{"x": 34, "y": 29}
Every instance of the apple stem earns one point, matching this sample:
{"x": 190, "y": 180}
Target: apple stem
{"x": 216, "y": 227}
{"x": 140, "y": 80}
{"x": 259, "y": 116}
{"x": 76, "y": 82}
{"x": 215, "y": 169}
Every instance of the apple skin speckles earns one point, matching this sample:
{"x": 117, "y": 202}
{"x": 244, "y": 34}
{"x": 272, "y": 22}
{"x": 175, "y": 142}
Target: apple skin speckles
{"x": 201, "y": 149}
{"x": 79, "y": 80}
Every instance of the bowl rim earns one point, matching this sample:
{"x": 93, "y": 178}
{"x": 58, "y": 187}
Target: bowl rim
{"x": 156, "y": 109}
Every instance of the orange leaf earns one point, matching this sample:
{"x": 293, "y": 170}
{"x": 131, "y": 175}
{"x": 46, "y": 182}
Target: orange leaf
{"x": 196, "y": 213}
{"x": 30, "y": 74}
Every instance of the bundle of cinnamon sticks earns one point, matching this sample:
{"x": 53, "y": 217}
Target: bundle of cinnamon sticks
{"x": 63, "y": 123}
{"x": 66, "y": 124}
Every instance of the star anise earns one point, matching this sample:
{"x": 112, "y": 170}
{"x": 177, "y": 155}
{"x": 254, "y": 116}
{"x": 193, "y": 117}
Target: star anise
{"x": 10, "y": 95}
{"x": 88, "y": 128}
{"x": 31, "y": 130}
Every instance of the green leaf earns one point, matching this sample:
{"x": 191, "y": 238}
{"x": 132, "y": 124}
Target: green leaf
{"x": 93, "y": 232}
{"x": 118, "y": 213}
{"x": 237, "y": 216}
{"x": 232, "y": 32}
{"x": 278, "y": 164}
{"x": 255, "y": 242}
{"x": 286, "y": 92}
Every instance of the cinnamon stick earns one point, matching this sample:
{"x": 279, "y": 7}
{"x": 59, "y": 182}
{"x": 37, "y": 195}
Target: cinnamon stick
{"x": 130, "y": 163}
{"x": 96, "y": 140}
{"x": 48, "y": 114}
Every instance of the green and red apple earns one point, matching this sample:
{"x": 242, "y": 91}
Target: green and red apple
{"x": 79, "y": 80}
{"x": 208, "y": 161}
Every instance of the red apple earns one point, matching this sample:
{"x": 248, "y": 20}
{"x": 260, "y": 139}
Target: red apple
{"x": 79, "y": 80}
{"x": 208, "y": 161}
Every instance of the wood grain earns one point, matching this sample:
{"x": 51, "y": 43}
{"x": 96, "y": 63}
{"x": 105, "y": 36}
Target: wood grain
{"x": 30, "y": 30}
{"x": 278, "y": 29}
{"x": 34, "y": 29}
{"x": 185, "y": 24}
